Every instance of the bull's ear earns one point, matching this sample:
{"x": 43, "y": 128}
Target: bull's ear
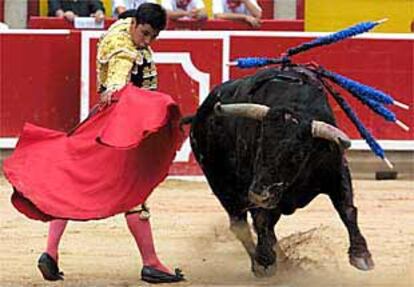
{"x": 252, "y": 111}
{"x": 329, "y": 132}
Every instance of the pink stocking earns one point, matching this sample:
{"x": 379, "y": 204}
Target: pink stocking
{"x": 56, "y": 229}
{"x": 141, "y": 230}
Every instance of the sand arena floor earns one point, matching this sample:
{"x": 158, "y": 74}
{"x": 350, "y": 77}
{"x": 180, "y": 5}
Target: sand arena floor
{"x": 191, "y": 231}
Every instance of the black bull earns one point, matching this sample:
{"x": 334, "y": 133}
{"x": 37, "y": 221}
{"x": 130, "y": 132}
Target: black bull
{"x": 271, "y": 159}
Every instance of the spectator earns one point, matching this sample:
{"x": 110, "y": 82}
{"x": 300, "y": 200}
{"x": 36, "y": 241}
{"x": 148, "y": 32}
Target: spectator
{"x": 185, "y": 9}
{"x": 69, "y": 9}
{"x": 120, "y": 6}
{"x": 245, "y": 10}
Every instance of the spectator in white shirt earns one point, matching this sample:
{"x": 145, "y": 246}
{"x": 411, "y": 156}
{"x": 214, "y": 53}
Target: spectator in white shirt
{"x": 185, "y": 9}
{"x": 244, "y": 10}
{"x": 120, "y": 6}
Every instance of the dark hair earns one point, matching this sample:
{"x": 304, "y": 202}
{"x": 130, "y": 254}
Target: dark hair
{"x": 127, "y": 14}
{"x": 152, "y": 14}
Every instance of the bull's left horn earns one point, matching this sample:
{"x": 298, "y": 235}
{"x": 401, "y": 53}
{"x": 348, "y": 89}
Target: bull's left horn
{"x": 329, "y": 132}
{"x": 252, "y": 111}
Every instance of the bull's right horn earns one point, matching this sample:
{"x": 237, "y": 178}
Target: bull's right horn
{"x": 329, "y": 132}
{"x": 252, "y": 111}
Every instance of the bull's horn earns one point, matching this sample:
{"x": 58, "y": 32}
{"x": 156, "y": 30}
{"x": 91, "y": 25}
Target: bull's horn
{"x": 329, "y": 132}
{"x": 253, "y": 111}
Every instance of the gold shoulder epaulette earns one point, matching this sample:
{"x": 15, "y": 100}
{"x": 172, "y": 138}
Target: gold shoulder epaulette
{"x": 114, "y": 44}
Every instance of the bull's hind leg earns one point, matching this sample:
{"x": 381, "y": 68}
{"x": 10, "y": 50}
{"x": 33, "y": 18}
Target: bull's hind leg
{"x": 264, "y": 261}
{"x": 342, "y": 199}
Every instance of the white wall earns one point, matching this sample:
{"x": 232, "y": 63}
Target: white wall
{"x": 15, "y": 13}
{"x": 284, "y": 9}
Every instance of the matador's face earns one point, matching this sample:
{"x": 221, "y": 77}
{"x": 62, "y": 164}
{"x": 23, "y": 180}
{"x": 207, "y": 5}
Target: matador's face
{"x": 142, "y": 34}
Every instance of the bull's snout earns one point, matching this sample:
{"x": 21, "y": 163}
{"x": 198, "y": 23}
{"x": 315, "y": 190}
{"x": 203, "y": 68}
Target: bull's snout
{"x": 267, "y": 197}
{"x": 262, "y": 199}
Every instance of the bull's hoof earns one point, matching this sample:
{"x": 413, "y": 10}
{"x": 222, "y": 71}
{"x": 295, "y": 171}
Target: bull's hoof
{"x": 261, "y": 271}
{"x": 362, "y": 263}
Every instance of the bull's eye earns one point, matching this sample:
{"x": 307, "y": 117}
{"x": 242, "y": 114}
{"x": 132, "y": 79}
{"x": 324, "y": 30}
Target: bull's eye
{"x": 289, "y": 117}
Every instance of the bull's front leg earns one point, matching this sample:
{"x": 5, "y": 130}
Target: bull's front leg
{"x": 241, "y": 229}
{"x": 264, "y": 261}
{"x": 342, "y": 199}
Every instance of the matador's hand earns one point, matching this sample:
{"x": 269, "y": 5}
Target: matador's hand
{"x": 106, "y": 97}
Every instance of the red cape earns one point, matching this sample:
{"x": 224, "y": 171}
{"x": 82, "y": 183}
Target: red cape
{"x": 109, "y": 164}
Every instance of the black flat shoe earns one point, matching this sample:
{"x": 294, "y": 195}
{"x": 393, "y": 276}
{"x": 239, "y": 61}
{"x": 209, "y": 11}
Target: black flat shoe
{"x": 152, "y": 275}
{"x": 49, "y": 268}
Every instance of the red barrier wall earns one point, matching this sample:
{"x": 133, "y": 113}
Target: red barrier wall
{"x": 267, "y": 8}
{"x": 39, "y": 81}
{"x": 1, "y": 10}
{"x": 32, "y": 8}
{"x": 41, "y": 74}
{"x": 300, "y": 9}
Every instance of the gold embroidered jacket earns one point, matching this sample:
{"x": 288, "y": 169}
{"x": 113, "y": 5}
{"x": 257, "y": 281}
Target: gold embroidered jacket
{"x": 119, "y": 61}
